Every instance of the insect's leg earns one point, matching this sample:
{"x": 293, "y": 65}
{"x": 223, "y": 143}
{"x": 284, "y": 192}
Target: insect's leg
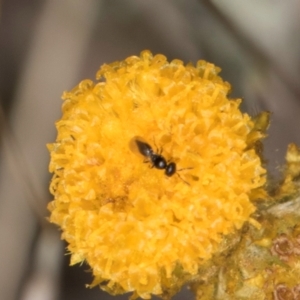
{"x": 147, "y": 161}
{"x": 158, "y": 150}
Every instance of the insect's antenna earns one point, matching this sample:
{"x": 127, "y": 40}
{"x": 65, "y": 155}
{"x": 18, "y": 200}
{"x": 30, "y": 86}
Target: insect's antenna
{"x": 183, "y": 179}
{"x": 190, "y": 168}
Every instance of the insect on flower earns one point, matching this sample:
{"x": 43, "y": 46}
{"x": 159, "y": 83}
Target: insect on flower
{"x": 195, "y": 124}
{"x": 157, "y": 160}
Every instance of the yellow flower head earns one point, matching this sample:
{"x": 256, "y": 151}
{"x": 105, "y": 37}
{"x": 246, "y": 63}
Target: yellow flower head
{"x": 135, "y": 226}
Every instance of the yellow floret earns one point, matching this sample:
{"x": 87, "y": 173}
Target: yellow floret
{"x": 133, "y": 225}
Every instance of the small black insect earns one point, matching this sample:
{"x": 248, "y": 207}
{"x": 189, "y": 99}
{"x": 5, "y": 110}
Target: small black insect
{"x": 157, "y": 160}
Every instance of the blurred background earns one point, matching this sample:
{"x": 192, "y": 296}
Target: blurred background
{"x": 48, "y": 46}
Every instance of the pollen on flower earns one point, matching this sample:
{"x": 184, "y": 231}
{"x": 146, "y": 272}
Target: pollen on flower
{"x": 136, "y": 227}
